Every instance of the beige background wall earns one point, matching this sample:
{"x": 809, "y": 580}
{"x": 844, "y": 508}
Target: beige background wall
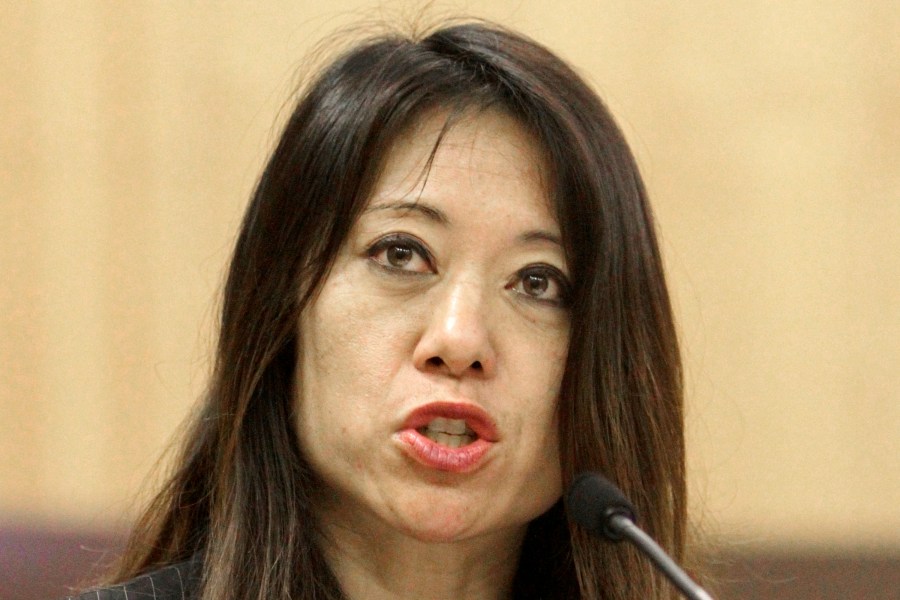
{"x": 131, "y": 134}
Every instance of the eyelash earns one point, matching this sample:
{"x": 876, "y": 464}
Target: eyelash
{"x": 551, "y": 273}
{"x": 554, "y": 275}
{"x": 396, "y": 240}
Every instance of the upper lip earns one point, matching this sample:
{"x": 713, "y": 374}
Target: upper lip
{"x": 476, "y": 418}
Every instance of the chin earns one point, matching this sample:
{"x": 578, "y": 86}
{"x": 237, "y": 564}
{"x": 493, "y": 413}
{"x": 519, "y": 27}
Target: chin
{"x": 445, "y": 533}
{"x": 439, "y": 523}
{"x": 437, "y": 519}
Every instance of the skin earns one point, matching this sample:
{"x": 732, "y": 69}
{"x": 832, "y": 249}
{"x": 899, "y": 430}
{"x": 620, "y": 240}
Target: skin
{"x": 450, "y": 288}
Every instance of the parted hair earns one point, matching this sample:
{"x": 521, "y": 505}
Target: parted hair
{"x": 240, "y": 493}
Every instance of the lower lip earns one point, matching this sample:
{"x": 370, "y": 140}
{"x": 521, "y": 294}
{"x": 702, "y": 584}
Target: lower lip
{"x": 464, "y": 459}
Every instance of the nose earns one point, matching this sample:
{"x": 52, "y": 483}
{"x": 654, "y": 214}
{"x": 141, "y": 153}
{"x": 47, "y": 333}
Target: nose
{"x": 456, "y": 339}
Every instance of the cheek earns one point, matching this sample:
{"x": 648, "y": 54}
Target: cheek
{"x": 544, "y": 379}
{"x": 336, "y": 339}
{"x": 542, "y": 374}
{"x": 349, "y": 352}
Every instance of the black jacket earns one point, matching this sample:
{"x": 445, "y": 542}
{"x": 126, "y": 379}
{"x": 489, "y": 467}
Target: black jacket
{"x": 175, "y": 582}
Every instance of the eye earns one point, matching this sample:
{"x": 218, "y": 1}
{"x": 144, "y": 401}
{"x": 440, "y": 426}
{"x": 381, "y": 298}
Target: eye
{"x": 542, "y": 283}
{"x": 401, "y": 254}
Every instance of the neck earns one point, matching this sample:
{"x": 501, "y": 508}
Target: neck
{"x": 387, "y": 565}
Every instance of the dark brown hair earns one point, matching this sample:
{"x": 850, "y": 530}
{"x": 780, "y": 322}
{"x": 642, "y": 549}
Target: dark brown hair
{"x": 240, "y": 494}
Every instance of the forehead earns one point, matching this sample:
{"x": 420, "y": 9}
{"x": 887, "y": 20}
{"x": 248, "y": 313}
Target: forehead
{"x": 486, "y": 152}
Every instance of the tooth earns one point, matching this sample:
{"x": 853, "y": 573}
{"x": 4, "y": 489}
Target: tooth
{"x": 456, "y": 441}
{"x": 432, "y": 435}
{"x": 438, "y": 424}
{"x": 456, "y": 426}
{"x": 444, "y": 438}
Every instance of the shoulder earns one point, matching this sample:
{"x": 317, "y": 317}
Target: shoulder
{"x": 174, "y": 582}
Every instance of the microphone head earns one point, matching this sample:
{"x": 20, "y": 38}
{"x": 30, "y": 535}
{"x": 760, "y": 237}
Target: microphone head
{"x": 593, "y": 500}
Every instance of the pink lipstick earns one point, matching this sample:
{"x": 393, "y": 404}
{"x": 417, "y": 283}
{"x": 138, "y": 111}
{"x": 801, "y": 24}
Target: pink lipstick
{"x": 448, "y": 436}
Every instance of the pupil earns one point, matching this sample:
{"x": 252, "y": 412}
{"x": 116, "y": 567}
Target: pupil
{"x": 535, "y": 284}
{"x": 399, "y": 255}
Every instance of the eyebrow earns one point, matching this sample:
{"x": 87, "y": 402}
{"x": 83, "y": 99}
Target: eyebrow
{"x": 540, "y": 235}
{"x": 431, "y": 213}
{"x": 438, "y": 216}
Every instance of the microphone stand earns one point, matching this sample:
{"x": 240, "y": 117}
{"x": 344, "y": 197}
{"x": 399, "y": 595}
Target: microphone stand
{"x": 599, "y": 506}
{"x": 626, "y": 528}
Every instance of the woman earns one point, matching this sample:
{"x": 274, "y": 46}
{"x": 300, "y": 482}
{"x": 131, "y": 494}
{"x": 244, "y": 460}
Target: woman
{"x": 445, "y": 301}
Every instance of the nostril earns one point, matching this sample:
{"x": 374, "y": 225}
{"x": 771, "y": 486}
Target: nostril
{"x": 439, "y": 364}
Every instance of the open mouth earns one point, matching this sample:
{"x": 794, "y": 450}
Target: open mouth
{"x": 448, "y": 436}
{"x": 452, "y": 433}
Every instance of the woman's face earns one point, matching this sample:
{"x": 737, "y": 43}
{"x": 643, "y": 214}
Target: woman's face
{"x": 430, "y": 362}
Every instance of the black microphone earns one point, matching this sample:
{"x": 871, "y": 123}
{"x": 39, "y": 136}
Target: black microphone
{"x": 600, "y": 507}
